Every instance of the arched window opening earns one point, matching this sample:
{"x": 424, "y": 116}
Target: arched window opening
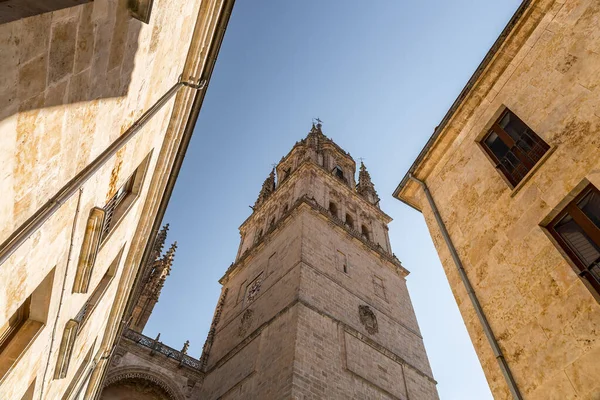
{"x": 333, "y": 208}
{"x": 285, "y": 208}
{"x": 337, "y": 171}
{"x": 349, "y": 221}
{"x": 365, "y": 232}
{"x": 272, "y": 222}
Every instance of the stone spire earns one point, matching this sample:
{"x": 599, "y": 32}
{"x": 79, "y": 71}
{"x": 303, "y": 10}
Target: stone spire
{"x": 169, "y": 256}
{"x": 152, "y": 288}
{"x": 267, "y": 189}
{"x": 159, "y": 242}
{"x": 365, "y": 187}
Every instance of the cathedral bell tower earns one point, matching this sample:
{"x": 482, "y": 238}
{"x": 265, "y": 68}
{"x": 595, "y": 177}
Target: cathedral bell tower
{"x": 315, "y": 305}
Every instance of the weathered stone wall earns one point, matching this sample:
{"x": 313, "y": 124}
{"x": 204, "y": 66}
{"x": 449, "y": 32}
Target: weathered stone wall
{"x": 72, "y": 81}
{"x": 545, "y": 319}
{"x": 291, "y": 310}
{"x": 140, "y": 372}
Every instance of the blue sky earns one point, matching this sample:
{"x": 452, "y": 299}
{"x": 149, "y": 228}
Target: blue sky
{"x": 380, "y": 75}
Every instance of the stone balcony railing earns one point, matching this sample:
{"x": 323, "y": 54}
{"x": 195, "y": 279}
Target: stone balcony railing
{"x": 157, "y": 347}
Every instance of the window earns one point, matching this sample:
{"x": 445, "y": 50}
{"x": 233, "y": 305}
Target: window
{"x": 342, "y": 262}
{"x": 333, "y": 208}
{"x": 349, "y": 221}
{"x": 24, "y": 324}
{"x": 272, "y": 222}
{"x": 513, "y": 147}
{"x": 113, "y": 204}
{"x": 79, "y": 381}
{"x": 14, "y": 323}
{"x": 338, "y": 172}
{"x": 577, "y": 230}
{"x": 379, "y": 287}
{"x": 89, "y": 250}
{"x": 120, "y": 202}
{"x": 91, "y": 303}
{"x": 285, "y": 208}
{"x": 365, "y": 232}
{"x": 140, "y": 9}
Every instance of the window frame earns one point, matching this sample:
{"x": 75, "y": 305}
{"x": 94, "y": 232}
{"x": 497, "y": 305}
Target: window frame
{"x": 524, "y": 159}
{"x": 349, "y": 220}
{"x": 13, "y": 328}
{"x": 100, "y": 290}
{"x": 338, "y": 172}
{"x": 124, "y": 200}
{"x": 590, "y": 229}
{"x": 35, "y": 310}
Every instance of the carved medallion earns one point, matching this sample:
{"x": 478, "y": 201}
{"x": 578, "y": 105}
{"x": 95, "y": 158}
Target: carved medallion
{"x": 253, "y": 289}
{"x": 368, "y": 319}
{"x": 246, "y": 321}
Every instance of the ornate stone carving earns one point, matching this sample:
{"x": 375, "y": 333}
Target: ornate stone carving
{"x": 253, "y": 289}
{"x": 365, "y": 186}
{"x": 213, "y": 329}
{"x": 368, "y": 319}
{"x": 246, "y": 321}
{"x": 141, "y": 376}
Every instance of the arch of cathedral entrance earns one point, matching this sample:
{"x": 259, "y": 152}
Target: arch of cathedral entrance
{"x": 139, "y": 384}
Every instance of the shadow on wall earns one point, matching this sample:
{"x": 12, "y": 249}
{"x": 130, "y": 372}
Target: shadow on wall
{"x": 76, "y": 54}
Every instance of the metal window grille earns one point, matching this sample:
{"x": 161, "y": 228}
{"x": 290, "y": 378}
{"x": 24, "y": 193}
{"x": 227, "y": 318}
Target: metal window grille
{"x": 113, "y": 204}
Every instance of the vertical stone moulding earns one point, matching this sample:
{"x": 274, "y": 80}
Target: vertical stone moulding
{"x": 89, "y": 250}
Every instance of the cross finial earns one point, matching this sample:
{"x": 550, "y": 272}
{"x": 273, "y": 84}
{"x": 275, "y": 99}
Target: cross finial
{"x": 318, "y": 121}
{"x": 274, "y": 165}
{"x": 361, "y": 159}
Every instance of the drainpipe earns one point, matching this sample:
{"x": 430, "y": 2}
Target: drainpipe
{"x": 487, "y": 329}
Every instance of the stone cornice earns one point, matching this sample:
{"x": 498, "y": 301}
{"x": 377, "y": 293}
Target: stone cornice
{"x": 304, "y": 200}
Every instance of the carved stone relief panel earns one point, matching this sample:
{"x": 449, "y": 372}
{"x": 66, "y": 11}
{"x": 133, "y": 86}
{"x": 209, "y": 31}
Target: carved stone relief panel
{"x": 253, "y": 289}
{"x": 247, "y": 318}
{"x": 368, "y": 319}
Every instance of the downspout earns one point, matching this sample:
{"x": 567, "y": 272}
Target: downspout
{"x": 487, "y": 329}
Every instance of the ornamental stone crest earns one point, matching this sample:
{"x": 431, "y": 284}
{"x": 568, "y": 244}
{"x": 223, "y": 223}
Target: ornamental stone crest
{"x": 368, "y": 319}
{"x": 246, "y": 321}
{"x": 253, "y": 289}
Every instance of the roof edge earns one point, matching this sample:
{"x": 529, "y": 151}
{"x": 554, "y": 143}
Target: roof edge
{"x": 470, "y": 84}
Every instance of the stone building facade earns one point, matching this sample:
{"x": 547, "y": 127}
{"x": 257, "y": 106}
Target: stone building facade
{"x": 97, "y": 105}
{"x": 508, "y": 185}
{"x": 315, "y": 305}
{"x": 143, "y": 368}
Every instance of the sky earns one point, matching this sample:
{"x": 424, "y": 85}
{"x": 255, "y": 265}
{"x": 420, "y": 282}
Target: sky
{"x": 380, "y": 75}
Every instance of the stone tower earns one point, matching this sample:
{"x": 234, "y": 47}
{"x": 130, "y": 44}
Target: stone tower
{"x": 315, "y": 305}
